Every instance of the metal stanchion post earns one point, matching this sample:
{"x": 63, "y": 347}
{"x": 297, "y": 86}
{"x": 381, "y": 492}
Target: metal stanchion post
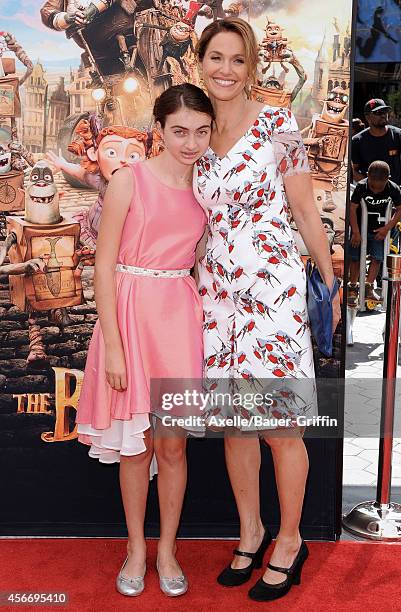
{"x": 381, "y": 519}
{"x": 352, "y": 310}
{"x": 386, "y": 219}
{"x": 362, "y": 257}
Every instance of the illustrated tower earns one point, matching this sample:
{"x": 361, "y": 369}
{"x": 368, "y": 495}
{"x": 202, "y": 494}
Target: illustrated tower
{"x": 320, "y": 78}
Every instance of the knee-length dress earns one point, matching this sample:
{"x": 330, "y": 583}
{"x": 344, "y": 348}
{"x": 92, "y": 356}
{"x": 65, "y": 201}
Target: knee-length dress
{"x": 160, "y": 319}
{"x": 251, "y": 279}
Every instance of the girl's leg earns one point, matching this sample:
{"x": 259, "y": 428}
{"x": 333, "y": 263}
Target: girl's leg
{"x": 291, "y": 466}
{"x": 170, "y": 449}
{"x": 134, "y": 482}
{"x": 243, "y": 465}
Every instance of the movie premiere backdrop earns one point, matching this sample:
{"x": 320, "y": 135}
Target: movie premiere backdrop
{"x": 59, "y": 88}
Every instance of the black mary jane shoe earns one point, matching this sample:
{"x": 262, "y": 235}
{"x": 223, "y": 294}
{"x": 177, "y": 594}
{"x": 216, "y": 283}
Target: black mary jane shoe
{"x": 263, "y": 591}
{"x": 235, "y": 577}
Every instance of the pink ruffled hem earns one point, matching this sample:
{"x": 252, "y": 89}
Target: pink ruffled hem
{"x": 123, "y": 437}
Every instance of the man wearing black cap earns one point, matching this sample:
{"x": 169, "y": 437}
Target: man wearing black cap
{"x": 378, "y": 142}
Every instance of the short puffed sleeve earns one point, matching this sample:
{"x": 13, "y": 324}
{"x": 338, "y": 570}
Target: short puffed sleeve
{"x": 288, "y": 146}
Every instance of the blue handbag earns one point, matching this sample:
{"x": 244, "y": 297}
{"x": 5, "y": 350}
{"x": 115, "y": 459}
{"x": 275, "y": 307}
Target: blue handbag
{"x": 320, "y": 312}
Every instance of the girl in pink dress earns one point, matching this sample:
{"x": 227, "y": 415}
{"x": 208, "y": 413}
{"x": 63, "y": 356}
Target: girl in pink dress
{"x": 149, "y": 327}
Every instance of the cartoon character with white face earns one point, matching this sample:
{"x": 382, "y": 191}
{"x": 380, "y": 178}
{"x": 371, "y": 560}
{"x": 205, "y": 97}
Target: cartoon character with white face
{"x": 41, "y": 196}
{"x": 5, "y": 159}
{"x": 335, "y": 106}
{"x": 114, "y": 147}
{"x": 14, "y": 156}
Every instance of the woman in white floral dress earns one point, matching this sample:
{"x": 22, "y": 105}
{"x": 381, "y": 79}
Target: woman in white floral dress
{"x": 252, "y": 278}
{"x": 253, "y": 285}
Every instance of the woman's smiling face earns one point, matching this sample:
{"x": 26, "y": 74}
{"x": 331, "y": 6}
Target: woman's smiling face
{"x": 224, "y": 68}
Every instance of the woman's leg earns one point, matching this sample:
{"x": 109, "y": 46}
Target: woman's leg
{"x": 243, "y": 465}
{"x": 291, "y": 466}
{"x": 134, "y": 483}
{"x": 170, "y": 450}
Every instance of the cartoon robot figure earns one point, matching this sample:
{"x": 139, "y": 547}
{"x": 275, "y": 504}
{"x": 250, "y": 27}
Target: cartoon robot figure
{"x": 14, "y": 157}
{"x": 326, "y": 139}
{"x": 45, "y": 260}
{"x": 274, "y": 50}
{"x": 274, "y": 46}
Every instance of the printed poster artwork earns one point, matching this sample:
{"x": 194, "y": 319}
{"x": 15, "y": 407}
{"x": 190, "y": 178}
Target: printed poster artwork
{"x": 378, "y": 31}
{"x": 60, "y": 88}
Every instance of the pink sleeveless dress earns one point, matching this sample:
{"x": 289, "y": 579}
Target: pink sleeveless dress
{"x": 160, "y": 319}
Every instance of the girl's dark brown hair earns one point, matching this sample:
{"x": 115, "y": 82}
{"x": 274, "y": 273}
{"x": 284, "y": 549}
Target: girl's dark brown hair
{"x": 176, "y": 97}
{"x": 237, "y": 26}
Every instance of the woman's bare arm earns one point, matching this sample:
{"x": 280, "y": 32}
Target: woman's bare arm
{"x": 299, "y": 193}
{"x": 298, "y": 188}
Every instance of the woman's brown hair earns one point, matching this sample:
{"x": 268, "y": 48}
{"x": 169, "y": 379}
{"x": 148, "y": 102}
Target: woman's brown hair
{"x": 237, "y": 26}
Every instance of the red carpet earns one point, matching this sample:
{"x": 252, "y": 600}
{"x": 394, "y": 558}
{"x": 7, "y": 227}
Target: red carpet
{"x": 343, "y": 576}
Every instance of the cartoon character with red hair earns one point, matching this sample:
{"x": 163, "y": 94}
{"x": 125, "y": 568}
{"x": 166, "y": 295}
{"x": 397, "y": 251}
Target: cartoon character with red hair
{"x": 104, "y": 151}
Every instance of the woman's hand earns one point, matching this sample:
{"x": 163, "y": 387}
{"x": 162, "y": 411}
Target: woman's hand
{"x": 336, "y": 308}
{"x": 116, "y": 373}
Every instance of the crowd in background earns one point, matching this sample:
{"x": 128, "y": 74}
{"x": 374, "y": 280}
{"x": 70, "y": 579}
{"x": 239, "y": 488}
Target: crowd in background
{"x": 376, "y": 174}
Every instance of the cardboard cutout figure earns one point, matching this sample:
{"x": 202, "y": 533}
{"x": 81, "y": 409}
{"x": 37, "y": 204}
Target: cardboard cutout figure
{"x": 42, "y": 200}
{"x": 327, "y": 139}
{"x": 274, "y": 50}
{"x": 45, "y": 262}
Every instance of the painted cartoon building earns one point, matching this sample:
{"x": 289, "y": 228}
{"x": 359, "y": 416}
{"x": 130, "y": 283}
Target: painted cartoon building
{"x": 80, "y": 96}
{"x": 321, "y": 72}
{"x": 339, "y": 68}
{"x": 58, "y": 110}
{"x": 331, "y": 69}
{"x": 34, "y": 92}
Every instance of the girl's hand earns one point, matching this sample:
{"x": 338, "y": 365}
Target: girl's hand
{"x": 336, "y": 307}
{"x": 116, "y": 373}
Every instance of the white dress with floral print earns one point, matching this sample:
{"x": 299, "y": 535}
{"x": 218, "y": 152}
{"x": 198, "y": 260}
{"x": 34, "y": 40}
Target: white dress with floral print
{"x": 252, "y": 279}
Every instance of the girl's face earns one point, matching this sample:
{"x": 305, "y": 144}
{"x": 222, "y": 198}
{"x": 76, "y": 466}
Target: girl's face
{"x": 224, "y": 69}
{"x": 186, "y": 134}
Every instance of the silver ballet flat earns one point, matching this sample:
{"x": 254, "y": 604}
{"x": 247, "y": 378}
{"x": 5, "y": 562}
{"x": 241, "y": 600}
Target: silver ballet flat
{"x": 173, "y": 587}
{"x": 129, "y": 586}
